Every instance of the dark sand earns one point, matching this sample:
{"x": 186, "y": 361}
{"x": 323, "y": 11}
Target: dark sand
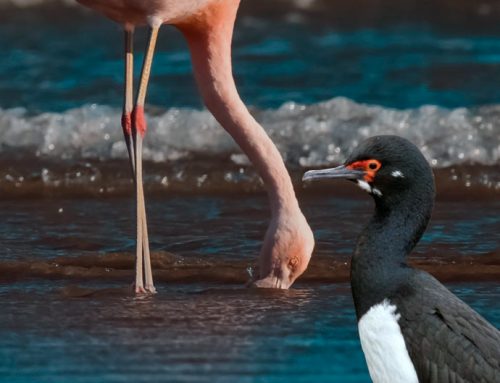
{"x": 172, "y": 268}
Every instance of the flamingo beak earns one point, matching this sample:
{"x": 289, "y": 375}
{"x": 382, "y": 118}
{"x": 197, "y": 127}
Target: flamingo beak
{"x": 341, "y": 171}
{"x": 272, "y": 282}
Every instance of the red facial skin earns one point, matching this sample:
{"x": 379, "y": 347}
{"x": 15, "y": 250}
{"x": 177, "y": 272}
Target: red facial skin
{"x": 369, "y": 167}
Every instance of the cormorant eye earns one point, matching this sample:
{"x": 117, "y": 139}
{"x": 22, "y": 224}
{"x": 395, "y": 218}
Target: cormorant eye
{"x": 373, "y": 165}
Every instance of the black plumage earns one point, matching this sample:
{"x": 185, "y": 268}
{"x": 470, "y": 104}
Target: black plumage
{"x": 446, "y": 339}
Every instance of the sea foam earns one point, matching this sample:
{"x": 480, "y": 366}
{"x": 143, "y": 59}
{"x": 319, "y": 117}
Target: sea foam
{"x": 307, "y": 135}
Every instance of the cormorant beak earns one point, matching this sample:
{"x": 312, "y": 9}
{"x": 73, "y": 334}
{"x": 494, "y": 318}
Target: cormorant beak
{"x": 341, "y": 171}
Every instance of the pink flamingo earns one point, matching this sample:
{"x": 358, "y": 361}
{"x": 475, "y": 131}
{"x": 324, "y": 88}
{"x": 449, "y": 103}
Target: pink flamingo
{"x": 208, "y": 27}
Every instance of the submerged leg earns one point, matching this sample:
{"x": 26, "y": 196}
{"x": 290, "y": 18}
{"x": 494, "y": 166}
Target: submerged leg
{"x": 139, "y": 131}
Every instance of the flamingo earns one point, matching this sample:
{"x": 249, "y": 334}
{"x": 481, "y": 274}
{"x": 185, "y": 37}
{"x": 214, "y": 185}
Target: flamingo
{"x": 207, "y": 25}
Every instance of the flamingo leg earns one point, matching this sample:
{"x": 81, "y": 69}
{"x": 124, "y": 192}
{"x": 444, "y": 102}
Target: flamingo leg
{"x": 139, "y": 131}
{"x": 128, "y": 100}
{"x": 127, "y": 133}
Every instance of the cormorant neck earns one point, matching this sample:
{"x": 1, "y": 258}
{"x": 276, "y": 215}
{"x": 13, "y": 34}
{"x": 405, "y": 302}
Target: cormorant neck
{"x": 379, "y": 265}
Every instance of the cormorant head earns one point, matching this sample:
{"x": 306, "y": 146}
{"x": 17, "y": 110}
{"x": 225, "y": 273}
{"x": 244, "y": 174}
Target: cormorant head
{"x": 387, "y": 167}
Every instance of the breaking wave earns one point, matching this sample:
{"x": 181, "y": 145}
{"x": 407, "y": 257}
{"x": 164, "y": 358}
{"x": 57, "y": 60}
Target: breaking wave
{"x": 88, "y": 140}
{"x": 307, "y": 135}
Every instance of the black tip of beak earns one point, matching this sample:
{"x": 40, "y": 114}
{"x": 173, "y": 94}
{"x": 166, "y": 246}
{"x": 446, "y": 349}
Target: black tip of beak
{"x": 341, "y": 171}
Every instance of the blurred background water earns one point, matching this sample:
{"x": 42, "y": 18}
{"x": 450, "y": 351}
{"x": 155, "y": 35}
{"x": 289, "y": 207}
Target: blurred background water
{"x": 319, "y": 75}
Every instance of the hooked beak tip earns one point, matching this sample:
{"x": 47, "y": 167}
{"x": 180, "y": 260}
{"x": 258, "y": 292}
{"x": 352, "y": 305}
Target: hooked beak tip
{"x": 309, "y": 175}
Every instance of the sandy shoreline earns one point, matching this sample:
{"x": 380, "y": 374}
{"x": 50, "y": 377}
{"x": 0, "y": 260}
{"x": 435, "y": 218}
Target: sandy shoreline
{"x": 172, "y": 268}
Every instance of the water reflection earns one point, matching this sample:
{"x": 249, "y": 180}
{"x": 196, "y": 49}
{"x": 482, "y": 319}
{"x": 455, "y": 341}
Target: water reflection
{"x": 200, "y": 333}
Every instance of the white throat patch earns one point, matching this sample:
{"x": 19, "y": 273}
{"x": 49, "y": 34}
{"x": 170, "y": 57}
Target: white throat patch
{"x": 366, "y": 187}
{"x": 384, "y": 346}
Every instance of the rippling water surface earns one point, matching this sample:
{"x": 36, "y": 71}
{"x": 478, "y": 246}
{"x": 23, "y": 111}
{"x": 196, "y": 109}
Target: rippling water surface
{"x": 223, "y": 227}
{"x": 194, "y": 333}
{"x": 197, "y": 329}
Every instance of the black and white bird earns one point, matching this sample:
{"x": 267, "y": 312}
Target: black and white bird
{"x": 411, "y": 327}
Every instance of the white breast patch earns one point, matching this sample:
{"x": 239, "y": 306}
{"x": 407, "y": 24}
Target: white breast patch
{"x": 384, "y": 346}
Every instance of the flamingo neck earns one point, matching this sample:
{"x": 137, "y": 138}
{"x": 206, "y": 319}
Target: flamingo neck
{"x": 209, "y": 36}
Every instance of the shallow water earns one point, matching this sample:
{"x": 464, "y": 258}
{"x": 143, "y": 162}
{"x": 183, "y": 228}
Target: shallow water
{"x": 194, "y": 333}
{"x": 201, "y": 331}
{"x": 228, "y": 228}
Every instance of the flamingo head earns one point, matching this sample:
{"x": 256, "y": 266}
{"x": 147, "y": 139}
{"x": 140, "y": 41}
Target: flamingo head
{"x": 286, "y": 252}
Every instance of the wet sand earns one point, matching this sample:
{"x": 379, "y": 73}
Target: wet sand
{"x": 173, "y": 268}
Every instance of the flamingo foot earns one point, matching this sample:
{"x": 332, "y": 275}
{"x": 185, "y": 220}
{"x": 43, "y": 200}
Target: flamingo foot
{"x": 140, "y": 290}
{"x": 150, "y": 289}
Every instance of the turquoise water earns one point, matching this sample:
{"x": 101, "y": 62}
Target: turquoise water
{"x": 201, "y": 331}
{"x": 318, "y": 85}
{"x": 190, "y": 333}
{"x": 74, "y": 59}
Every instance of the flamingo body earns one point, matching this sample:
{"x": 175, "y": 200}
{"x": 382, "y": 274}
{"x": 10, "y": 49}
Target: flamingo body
{"x": 141, "y": 12}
